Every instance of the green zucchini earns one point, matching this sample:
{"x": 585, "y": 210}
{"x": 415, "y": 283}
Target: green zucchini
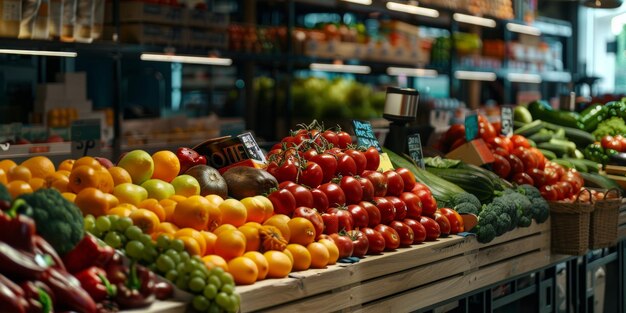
{"x": 529, "y": 129}
{"x": 599, "y": 181}
{"x": 579, "y": 166}
{"x": 592, "y": 167}
{"x": 565, "y": 163}
{"x": 541, "y": 137}
{"x": 548, "y": 154}
{"x": 471, "y": 181}
{"x": 499, "y": 183}
{"x": 580, "y": 137}
{"x": 557, "y": 149}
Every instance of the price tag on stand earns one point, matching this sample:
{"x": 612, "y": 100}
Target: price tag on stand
{"x": 415, "y": 149}
{"x": 365, "y": 135}
{"x": 471, "y": 126}
{"x": 506, "y": 120}
{"x": 85, "y": 136}
{"x": 252, "y": 147}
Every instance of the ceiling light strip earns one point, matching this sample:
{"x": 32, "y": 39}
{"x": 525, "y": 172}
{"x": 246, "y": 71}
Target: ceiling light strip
{"x": 415, "y": 72}
{"x": 524, "y": 78}
{"x": 412, "y": 9}
{"x": 523, "y": 29}
{"x": 476, "y": 20}
{"x": 473, "y": 75}
{"x": 66, "y": 54}
{"x": 185, "y": 59}
{"x": 363, "y": 2}
{"x": 340, "y": 68}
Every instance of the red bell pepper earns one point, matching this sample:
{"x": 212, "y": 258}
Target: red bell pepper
{"x": 188, "y": 158}
{"x": 42, "y": 247}
{"x": 138, "y": 290}
{"x": 95, "y": 282}
{"x": 68, "y": 291}
{"x": 19, "y": 265}
{"x": 17, "y": 230}
{"x": 39, "y": 297}
{"x": 87, "y": 253}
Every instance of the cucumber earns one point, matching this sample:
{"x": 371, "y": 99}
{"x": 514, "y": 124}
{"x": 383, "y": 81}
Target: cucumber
{"x": 579, "y": 166}
{"x": 592, "y": 167}
{"x": 565, "y": 163}
{"x": 557, "y": 149}
{"x": 580, "y": 137}
{"x": 599, "y": 181}
{"x": 541, "y": 137}
{"x": 518, "y": 124}
{"x": 548, "y": 154}
{"x": 570, "y": 146}
{"x": 529, "y": 129}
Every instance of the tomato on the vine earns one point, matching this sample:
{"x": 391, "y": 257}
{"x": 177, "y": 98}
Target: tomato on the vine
{"x": 367, "y": 188}
{"x": 283, "y": 201}
{"x": 328, "y": 163}
{"x": 359, "y": 159}
{"x": 312, "y": 175}
{"x": 352, "y": 189}
{"x": 346, "y": 222}
{"x": 344, "y": 139}
{"x": 302, "y": 195}
{"x": 501, "y": 166}
{"x": 523, "y": 178}
{"x": 331, "y": 137}
{"x": 360, "y": 217}
{"x": 549, "y": 193}
{"x": 287, "y": 170}
{"x": 373, "y": 158}
{"x": 520, "y": 141}
{"x": 334, "y": 193}
{"x": 320, "y": 200}
{"x": 309, "y": 154}
{"x": 345, "y": 165}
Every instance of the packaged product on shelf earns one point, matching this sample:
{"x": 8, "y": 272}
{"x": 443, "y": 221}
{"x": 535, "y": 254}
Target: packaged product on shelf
{"x": 29, "y": 13}
{"x": 84, "y": 21}
{"x": 98, "y": 19}
{"x": 40, "y": 31}
{"x": 54, "y": 19}
{"x": 68, "y": 20}
{"x": 10, "y": 16}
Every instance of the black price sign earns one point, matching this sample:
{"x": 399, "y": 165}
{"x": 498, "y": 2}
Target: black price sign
{"x": 506, "y": 116}
{"x": 471, "y": 126}
{"x": 414, "y": 142}
{"x": 252, "y": 147}
{"x": 85, "y": 135}
{"x": 365, "y": 135}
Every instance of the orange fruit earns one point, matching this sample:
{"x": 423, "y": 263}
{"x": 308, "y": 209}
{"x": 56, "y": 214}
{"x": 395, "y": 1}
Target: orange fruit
{"x": 253, "y": 224}
{"x": 280, "y": 221}
{"x": 169, "y": 206}
{"x": 144, "y": 219}
{"x": 70, "y": 196}
{"x": 82, "y": 177}
{"x": 105, "y": 180}
{"x": 288, "y": 253}
{"x": 87, "y": 161}
{"x": 215, "y": 199}
{"x": 213, "y": 260}
{"x": 3, "y": 177}
{"x": 301, "y": 257}
{"x": 267, "y": 205}
{"x": 223, "y": 228}
{"x": 19, "y": 172}
{"x": 154, "y": 206}
{"x": 215, "y": 216}
{"x": 64, "y": 173}
{"x": 319, "y": 254}
{"x": 333, "y": 251}
{"x": 165, "y": 228}
{"x": 233, "y": 212}
{"x": 253, "y": 239}
{"x": 255, "y": 209}
{"x": 192, "y": 212}
{"x": 301, "y": 230}
{"x": 66, "y": 165}
{"x": 196, "y": 235}
{"x": 191, "y": 245}
{"x": 209, "y": 239}
{"x": 279, "y": 265}
{"x": 260, "y": 261}
{"x": 111, "y": 200}
{"x": 244, "y": 270}
{"x": 7, "y": 164}
{"x": 166, "y": 165}
{"x": 119, "y": 175}
{"x": 178, "y": 198}
{"x": 58, "y": 181}
{"x": 39, "y": 166}
{"x": 37, "y": 183}
{"x": 120, "y": 210}
{"x": 18, "y": 187}
{"x": 92, "y": 201}
{"x": 230, "y": 244}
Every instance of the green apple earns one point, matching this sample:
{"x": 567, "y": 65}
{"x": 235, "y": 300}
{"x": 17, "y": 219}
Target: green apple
{"x": 130, "y": 193}
{"x": 138, "y": 164}
{"x": 186, "y": 185}
{"x": 158, "y": 189}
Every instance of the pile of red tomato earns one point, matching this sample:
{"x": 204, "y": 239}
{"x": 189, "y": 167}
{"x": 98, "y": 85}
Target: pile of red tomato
{"x": 338, "y": 187}
{"x": 617, "y": 143}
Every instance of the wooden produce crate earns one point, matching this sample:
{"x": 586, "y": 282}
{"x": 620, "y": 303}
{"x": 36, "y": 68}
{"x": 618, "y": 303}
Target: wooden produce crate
{"x": 406, "y": 279}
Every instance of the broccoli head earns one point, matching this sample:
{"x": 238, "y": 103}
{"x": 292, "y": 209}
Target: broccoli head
{"x": 4, "y": 193}
{"x": 504, "y": 204}
{"x": 541, "y": 210}
{"x": 529, "y": 191}
{"x": 466, "y": 207}
{"x": 465, "y": 197}
{"x": 524, "y": 221}
{"x": 58, "y": 220}
{"x": 487, "y": 217}
{"x": 485, "y": 233}
{"x": 503, "y": 224}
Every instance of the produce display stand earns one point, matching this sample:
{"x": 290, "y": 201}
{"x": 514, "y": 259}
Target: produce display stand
{"x": 407, "y": 279}
{"x": 162, "y": 307}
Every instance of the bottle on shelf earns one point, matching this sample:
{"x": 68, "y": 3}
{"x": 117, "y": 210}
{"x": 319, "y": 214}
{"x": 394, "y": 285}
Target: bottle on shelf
{"x": 84, "y": 21}
{"x": 30, "y": 8}
{"x": 55, "y": 18}
{"x": 68, "y": 20}
{"x": 10, "y": 16}
{"x": 40, "y": 30}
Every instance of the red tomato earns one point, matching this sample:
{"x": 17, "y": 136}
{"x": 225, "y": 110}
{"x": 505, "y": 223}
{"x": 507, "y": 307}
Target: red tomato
{"x": 455, "y": 132}
{"x": 373, "y": 213}
{"x": 345, "y": 221}
{"x": 419, "y": 232}
{"x": 486, "y": 131}
{"x": 516, "y": 165}
{"x": 566, "y": 188}
{"x": 375, "y": 239}
{"x": 287, "y": 170}
{"x": 312, "y": 175}
{"x": 444, "y": 224}
{"x": 286, "y": 184}
{"x": 606, "y": 141}
{"x": 413, "y": 205}
{"x": 392, "y": 239}
{"x": 501, "y": 166}
{"x": 345, "y": 165}
{"x": 497, "y": 126}
{"x": 420, "y": 186}
{"x": 367, "y": 188}
{"x": 395, "y": 184}
{"x": 400, "y": 207}
{"x": 541, "y": 159}
{"x": 615, "y": 144}
{"x": 352, "y": 189}
{"x": 573, "y": 177}
{"x": 386, "y": 208}
{"x": 622, "y": 141}
{"x": 501, "y": 152}
{"x": 523, "y": 178}
{"x": 320, "y": 200}
{"x": 359, "y": 159}
{"x": 527, "y": 158}
{"x": 373, "y": 159}
{"x": 379, "y": 181}
{"x": 302, "y": 195}
{"x": 538, "y": 176}
{"x": 360, "y": 218}
{"x": 560, "y": 171}
{"x": 429, "y": 204}
{"x": 550, "y": 175}
{"x": 344, "y": 139}
{"x": 404, "y": 231}
{"x": 331, "y": 137}
{"x": 520, "y": 141}
{"x": 333, "y": 192}
{"x": 359, "y": 242}
{"x": 503, "y": 143}
{"x": 433, "y": 230}
{"x": 309, "y": 154}
{"x": 344, "y": 244}
{"x": 331, "y": 223}
{"x": 328, "y": 163}
{"x": 283, "y": 201}
{"x": 313, "y": 216}
{"x": 455, "y": 219}
{"x": 407, "y": 177}
{"x": 549, "y": 193}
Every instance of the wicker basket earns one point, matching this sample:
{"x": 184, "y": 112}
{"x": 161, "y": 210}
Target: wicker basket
{"x": 604, "y": 220}
{"x": 570, "y": 226}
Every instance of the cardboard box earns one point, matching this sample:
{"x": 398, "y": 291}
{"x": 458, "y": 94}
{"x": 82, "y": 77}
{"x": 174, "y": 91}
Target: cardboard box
{"x": 75, "y": 85}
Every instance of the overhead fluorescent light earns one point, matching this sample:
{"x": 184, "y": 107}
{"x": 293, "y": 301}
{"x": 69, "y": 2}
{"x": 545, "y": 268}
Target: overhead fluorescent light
{"x": 412, "y": 9}
{"x": 363, "y": 2}
{"x": 472, "y": 75}
{"x": 406, "y": 71}
{"x": 524, "y": 78}
{"x": 66, "y": 54}
{"x": 470, "y": 19}
{"x": 340, "y": 68}
{"x": 523, "y": 29}
{"x": 185, "y": 59}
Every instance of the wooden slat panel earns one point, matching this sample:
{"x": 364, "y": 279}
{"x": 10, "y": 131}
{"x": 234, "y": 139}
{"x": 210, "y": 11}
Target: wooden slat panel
{"x": 513, "y": 248}
{"x": 330, "y": 302}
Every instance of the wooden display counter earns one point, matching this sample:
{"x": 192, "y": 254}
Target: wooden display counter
{"x": 406, "y": 279}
